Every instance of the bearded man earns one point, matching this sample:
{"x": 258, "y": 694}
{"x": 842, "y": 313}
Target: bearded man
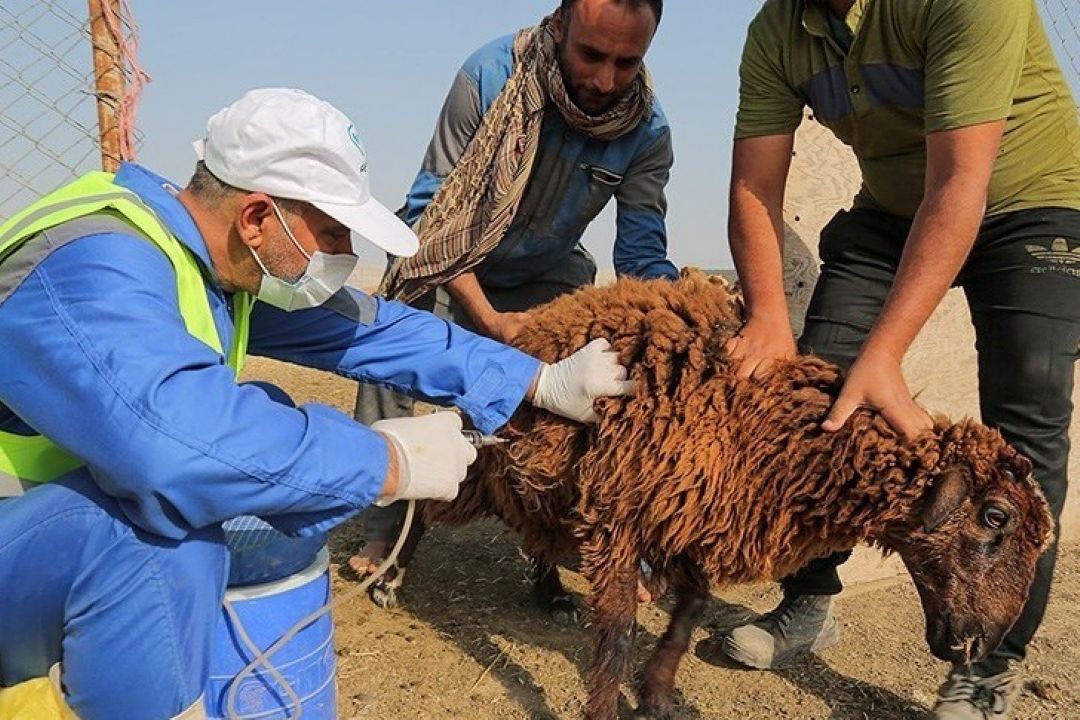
{"x": 540, "y": 131}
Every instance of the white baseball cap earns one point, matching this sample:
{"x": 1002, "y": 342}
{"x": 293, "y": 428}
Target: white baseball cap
{"x": 291, "y": 145}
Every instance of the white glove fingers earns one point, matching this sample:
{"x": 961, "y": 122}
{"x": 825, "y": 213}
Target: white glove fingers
{"x": 618, "y": 371}
{"x": 470, "y": 452}
{"x": 433, "y": 455}
{"x": 451, "y": 420}
{"x": 570, "y": 386}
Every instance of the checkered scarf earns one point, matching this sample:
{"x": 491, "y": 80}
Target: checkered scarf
{"x": 479, "y": 199}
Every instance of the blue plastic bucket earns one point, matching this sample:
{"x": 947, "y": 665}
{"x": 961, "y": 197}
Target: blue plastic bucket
{"x": 307, "y": 662}
{"x": 260, "y": 554}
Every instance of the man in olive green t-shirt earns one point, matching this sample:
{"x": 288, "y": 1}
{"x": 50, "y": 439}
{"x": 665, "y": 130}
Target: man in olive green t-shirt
{"x": 969, "y": 146}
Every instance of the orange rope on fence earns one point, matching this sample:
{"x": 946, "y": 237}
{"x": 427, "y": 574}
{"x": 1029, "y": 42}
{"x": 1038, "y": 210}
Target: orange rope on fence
{"x": 118, "y": 78}
{"x": 128, "y": 43}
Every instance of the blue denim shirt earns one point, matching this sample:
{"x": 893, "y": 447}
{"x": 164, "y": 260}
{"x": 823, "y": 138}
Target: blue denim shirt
{"x": 573, "y": 178}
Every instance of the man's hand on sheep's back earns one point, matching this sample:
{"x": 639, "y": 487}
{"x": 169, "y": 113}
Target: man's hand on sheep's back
{"x": 571, "y": 386}
{"x": 760, "y": 343}
{"x": 503, "y": 326}
{"x": 876, "y": 381}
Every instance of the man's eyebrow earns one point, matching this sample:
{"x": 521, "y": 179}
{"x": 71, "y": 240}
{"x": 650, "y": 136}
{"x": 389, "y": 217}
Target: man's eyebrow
{"x": 596, "y": 51}
{"x": 591, "y": 49}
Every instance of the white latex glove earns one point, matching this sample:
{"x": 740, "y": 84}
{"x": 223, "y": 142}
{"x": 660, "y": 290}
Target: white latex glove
{"x": 432, "y": 454}
{"x": 570, "y": 386}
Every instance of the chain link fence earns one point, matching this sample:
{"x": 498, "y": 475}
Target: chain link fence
{"x": 1062, "y": 19}
{"x": 69, "y": 83}
{"x": 48, "y": 103}
{"x": 48, "y": 120}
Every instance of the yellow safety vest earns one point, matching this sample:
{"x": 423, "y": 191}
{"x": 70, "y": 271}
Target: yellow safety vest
{"x": 36, "y": 459}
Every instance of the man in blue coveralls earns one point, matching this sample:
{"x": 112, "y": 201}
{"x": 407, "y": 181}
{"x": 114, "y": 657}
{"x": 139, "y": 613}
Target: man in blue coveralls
{"x": 126, "y": 308}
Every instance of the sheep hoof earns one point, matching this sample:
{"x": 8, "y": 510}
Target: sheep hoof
{"x": 655, "y": 712}
{"x": 655, "y": 705}
{"x": 384, "y": 595}
{"x": 384, "y": 592}
{"x": 564, "y": 611}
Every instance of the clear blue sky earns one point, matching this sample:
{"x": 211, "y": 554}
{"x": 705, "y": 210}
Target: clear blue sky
{"x": 388, "y": 64}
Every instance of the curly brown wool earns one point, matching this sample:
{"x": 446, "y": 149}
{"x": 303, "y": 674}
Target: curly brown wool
{"x": 715, "y": 481}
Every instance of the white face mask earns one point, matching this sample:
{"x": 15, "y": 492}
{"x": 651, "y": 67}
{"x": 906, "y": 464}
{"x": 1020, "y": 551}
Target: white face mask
{"x": 325, "y": 275}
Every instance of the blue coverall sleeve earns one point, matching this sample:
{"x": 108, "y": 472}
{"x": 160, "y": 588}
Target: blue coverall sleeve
{"x": 96, "y": 357}
{"x": 641, "y": 229}
{"x": 409, "y": 350}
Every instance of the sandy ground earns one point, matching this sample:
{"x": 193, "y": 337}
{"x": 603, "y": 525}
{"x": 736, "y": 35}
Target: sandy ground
{"x": 468, "y": 643}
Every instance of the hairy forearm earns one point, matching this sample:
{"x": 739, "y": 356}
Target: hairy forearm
{"x": 959, "y": 164}
{"x": 759, "y": 171}
{"x": 466, "y": 291}
{"x": 755, "y": 231}
{"x": 940, "y": 241}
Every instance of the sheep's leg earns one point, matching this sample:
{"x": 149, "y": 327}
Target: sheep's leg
{"x": 658, "y": 680}
{"x": 549, "y": 593}
{"x": 614, "y": 606}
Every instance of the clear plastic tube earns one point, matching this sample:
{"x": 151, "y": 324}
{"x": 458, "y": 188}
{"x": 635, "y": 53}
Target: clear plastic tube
{"x": 263, "y": 657}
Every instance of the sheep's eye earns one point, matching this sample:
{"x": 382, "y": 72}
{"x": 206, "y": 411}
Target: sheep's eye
{"x": 994, "y": 517}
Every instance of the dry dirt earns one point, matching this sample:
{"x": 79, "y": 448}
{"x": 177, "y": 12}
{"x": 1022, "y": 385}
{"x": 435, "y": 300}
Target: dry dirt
{"x": 468, "y": 643}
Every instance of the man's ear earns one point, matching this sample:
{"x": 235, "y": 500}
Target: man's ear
{"x": 252, "y": 212}
{"x": 949, "y": 490}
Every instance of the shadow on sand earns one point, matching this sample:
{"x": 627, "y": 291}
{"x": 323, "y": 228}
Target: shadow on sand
{"x": 473, "y": 591}
{"x": 847, "y": 698}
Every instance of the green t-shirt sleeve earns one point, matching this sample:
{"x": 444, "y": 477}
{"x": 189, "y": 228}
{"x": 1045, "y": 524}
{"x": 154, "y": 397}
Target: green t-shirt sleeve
{"x": 768, "y": 105}
{"x": 974, "y": 57}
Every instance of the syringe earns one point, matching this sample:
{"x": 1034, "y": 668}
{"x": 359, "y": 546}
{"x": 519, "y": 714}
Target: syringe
{"x": 479, "y": 440}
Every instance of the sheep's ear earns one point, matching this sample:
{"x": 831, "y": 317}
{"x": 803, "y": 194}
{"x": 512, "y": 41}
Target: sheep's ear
{"x": 948, "y": 492}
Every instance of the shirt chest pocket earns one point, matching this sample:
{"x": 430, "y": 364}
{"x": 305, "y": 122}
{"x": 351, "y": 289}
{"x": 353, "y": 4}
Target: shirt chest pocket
{"x": 600, "y": 184}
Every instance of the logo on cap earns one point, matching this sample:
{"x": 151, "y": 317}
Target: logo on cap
{"x": 355, "y": 137}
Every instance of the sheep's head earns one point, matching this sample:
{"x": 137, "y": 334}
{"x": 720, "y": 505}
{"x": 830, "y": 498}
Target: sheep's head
{"x": 972, "y": 542}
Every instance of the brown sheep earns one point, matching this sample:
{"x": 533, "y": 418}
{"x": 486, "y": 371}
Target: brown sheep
{"x": 714, "y": 481}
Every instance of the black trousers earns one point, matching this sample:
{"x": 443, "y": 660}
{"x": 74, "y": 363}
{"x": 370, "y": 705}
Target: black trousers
{"x": 1022, "y": 284}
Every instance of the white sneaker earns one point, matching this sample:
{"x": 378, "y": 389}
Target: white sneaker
{"x": 966, "y": 696}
